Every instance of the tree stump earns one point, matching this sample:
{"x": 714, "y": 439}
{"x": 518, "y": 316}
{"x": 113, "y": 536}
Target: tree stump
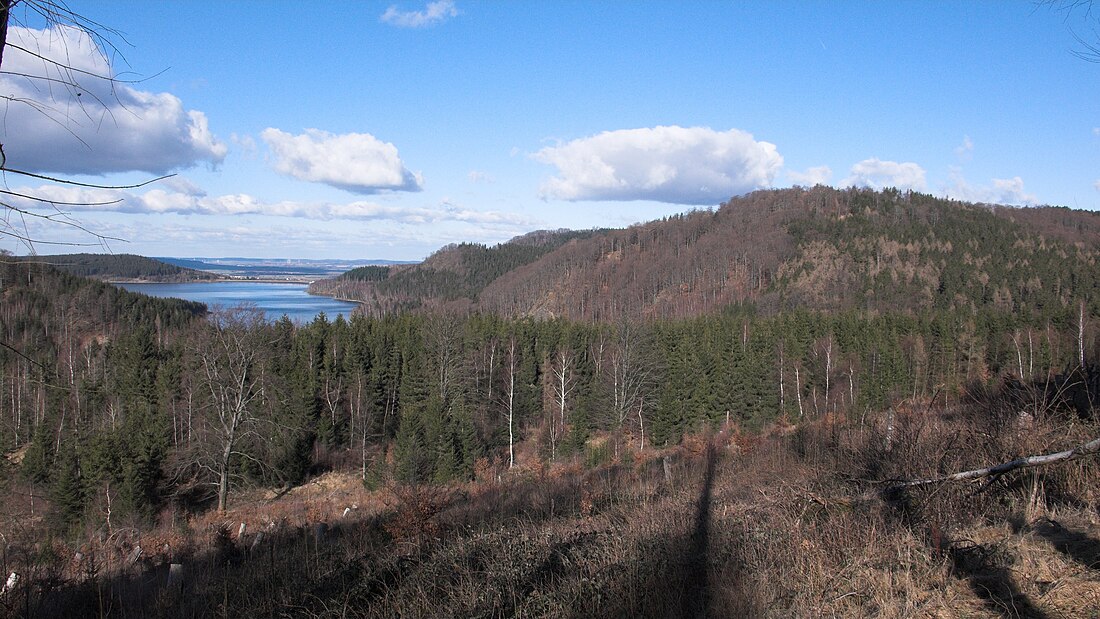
{"x": 175, "y": 575}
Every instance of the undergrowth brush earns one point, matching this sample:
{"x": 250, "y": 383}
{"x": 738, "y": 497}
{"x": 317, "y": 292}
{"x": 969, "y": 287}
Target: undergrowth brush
{"x": 798, "y": 522}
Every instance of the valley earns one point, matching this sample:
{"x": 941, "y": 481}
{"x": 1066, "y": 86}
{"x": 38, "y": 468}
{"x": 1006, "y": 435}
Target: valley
{"x": 441, "y": 308}
{"x": 441, "y": 428}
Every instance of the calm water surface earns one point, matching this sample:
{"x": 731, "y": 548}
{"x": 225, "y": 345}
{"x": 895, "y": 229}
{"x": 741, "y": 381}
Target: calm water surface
{"x": 273, "y": 298}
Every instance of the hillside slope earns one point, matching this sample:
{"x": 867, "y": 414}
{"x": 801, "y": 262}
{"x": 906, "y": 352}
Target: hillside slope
{"x": 123, "y": 267}
{"x": 453, "y": 277}
{"x": 819, "y": 249}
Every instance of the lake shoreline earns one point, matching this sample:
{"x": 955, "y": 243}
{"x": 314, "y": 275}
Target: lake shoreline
{"x": 276, "y": 297}
{"x": 290, "y": 279}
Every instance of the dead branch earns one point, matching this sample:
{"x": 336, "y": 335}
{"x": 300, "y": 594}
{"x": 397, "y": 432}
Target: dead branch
{"x": 1088, "y": 448}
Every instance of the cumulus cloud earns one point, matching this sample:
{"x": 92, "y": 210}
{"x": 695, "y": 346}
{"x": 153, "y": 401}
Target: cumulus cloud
{"x": 77, "y": 120}
{"x": 192, "y": 201}
{"x": 1096, "y": 131}
{"x": 1097, "y": 185}
{"x": 355, "y": 162}
{"x": 819, "y": 175}
{"x": 878, "y": 174}
{"x": 434, "y": 13}
{"x": 678, "y": 165}
{"x": 965, "y": 151}
{"x": 1000, "y": 191}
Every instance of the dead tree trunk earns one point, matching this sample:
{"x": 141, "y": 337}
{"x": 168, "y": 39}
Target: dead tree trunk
{"x": 998, "y": 470}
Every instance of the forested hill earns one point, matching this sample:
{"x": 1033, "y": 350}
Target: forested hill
{"x": 454, "y": 276}
{"x": 60, "y": 302}
{"x": 123, "y": 267}
{"x": 819, "y": 249}
{"x": 50, "y": 321}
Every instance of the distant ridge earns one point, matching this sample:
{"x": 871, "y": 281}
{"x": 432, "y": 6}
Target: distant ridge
{"x": 454, "y": 276}
{"x": 818, "y": 249}
{"x": 123, "y": 267}
{"x": 275, "y": 267}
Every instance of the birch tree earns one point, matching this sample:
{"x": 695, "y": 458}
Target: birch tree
{"x": 509, "y": 397}
{"x": 631, "y": 369}
{"x": 562, "y": 376}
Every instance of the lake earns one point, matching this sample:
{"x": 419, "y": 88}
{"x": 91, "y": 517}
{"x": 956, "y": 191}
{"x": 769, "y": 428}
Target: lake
{"x": 275, "y": 299}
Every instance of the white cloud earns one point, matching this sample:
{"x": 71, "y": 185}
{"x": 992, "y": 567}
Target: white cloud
{"x": 183, "y": 185}
{"x": 1097, "y": 185}
{"x": 78, "y": 121}
{"x": 1011, "y": 191}
{"x": 433, "y": 13}
{"x": 355, "y": 162}
{"x": 1000, "y": 191}
{"x": 878, "y": 174}
{"x": 192, "y": 201}
{"x": 477, "y": 176}
{"x": 965, "y": 151}
{"x": 1096, "y": 131}
{"x": 182, "y": 237}
{"x": 245, "y": 143}
{"x": 678, "y": 165}
{"x": 819, "y": 175}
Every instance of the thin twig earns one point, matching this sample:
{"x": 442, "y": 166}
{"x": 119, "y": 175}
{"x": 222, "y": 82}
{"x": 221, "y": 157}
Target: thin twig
{"x": 75, "y": 183}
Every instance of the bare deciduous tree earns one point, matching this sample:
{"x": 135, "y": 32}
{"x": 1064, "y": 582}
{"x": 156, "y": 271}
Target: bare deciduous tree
{"x": 443, "y": 337}
{"x": 631, "y": 368}
{"x": 228, "y": 359}
{"x": 509, "y": 396}
{"x": 1090, "y": 44}
{"x": 563, "y": 382}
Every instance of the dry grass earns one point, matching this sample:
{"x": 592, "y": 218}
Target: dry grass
{"x": 784, "y": 525}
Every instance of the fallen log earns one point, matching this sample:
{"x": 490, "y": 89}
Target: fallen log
{"x": 1088, "y": 448}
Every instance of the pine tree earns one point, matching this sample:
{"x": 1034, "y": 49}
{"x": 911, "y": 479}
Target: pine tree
{"x": 410, "y": 452}
{"x": 67, "y": 489}
{"x": 470, "y": 445}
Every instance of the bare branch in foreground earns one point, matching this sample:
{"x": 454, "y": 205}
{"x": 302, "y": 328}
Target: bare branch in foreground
{"x": 54, "y": 179}
{"x": 1088, "y": 448}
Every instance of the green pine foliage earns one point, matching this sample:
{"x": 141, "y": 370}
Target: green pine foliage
{"x": 872, "y": 298}
{"x": 123, "y": 266}
{"x": 454, "y": 273}
{"x": 370, "y": 273}
{"x": 68, "y": 489}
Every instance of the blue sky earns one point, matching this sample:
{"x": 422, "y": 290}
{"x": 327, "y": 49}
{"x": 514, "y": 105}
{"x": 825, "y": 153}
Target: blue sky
{"x": 381, "y": 130}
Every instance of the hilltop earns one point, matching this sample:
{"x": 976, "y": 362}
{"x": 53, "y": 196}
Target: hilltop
{"x": 124, "y": 267}
{"x": 817, "y": 249}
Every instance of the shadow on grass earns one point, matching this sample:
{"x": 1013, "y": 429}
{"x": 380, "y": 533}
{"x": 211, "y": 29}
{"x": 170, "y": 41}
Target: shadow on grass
{"x": 696, "y": 600}
{"x": 228, "y": 578}
{"x": 992, "y": 583}
{"x": 1075, "y": 545}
